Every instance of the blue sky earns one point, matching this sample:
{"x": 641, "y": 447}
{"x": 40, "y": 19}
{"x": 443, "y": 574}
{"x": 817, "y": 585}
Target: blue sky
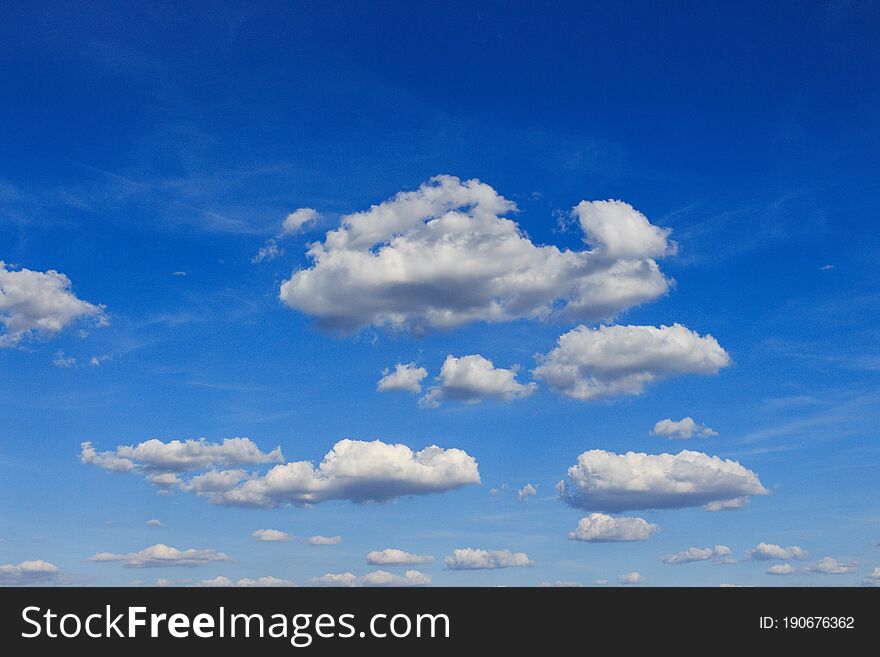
{"x": 150, "y": 152}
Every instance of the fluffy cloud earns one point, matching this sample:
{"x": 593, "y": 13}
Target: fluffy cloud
{"x": 353, "y": 470}
{"x": 179, "y": 455}
{"x": 155, "y": 522}
{"x": 781, "y": 569}
{"x": 601, "y": 528}
{"x": 268, "y": 581}
{"x": 161, "y": 555}
{"x": 358, "y": 471}
{"x": 406, "y": 377}
{"x": 684, "y": 429}
{"x": 471, "y": 379}
{"x": 605, "y": 481}
{"x": 473, "y": 559}
{"x": 719, "y": 553}
{"x": 270, "y": 535}
{"x": 395, "y": 557}
{"x": 631, "y": 578}
{"x": 593, "y": 363}
{"x": 39, "y": 304}
{"x": 324, "y": 540}
{"x": 376, "y": 578}
{"x": 524, "y": 493}
{"x": 28, "y": 573}
{"x": 444, "y": 255}
{"x": 831, "y": 566}
{"x": 297, "y": 220}
{"x": 769, "y": 551}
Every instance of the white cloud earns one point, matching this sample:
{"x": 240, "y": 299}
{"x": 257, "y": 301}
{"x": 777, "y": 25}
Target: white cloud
{"x": 406, "y": 377}
{"x": 155, "y": 522}
{"x": 358, "y": 471}
{"x": 831, "y": 566}
{"x": 376, "y": 578}
{"x": 178, "y": 456}
{"x": 684, "y": 429}
{"x": 324, "y": 540}
{"x": 471, "y": 379}
{"x": 39, "y": 304}
{"x": 444, "y": 255}
{"x": 768, "y": 551}
{"x": 96, "y": 361}
{"x": 268, "y": 581}
{"x": 384, "y": 578}
{"x": 214, "y": 481}
{"x": 292, "y": 224}
{"x": 632, "y": 578}
{"x": 63, "y": 361}
{"x": 524, "y": 493}
{"x": 353, "y": 470}
{"x": 474, "y": 559}
{"x": 29, "y": 573}
{"x": 395, "y": 557}
{"x": 161, "y": 555}
{"x": 727, "y": 505}
{"x": 600, "y": 582}
{"x": 601, "y": 528}
{"x": 297, "y": 220}
{"x": 269, "y": 251}
{"x": 719, "y": 553}
{"x": 593, "y": 363}
{"x": 335, "y": 579}
{"x": 270, "y": 535}
{"x": 561, "y": 584}
{"x": 781, "y": 569}
{"x": 875, "y": 574}
{"x": 605, "y": 481}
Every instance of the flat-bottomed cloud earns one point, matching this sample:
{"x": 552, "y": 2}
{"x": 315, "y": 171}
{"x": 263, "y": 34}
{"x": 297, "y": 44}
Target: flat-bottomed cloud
{"x": 445, "y": 255}
{"x": 609, "y": 482}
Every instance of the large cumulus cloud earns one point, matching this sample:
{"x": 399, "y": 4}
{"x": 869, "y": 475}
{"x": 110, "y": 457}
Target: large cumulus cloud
{"x": 447, "y": 254}
{"x": 605, "y": 481}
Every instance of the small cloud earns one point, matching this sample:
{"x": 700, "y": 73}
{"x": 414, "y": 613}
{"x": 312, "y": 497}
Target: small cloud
{"x": 600, "y": 582}
{"x": 65, "y": 362}
{"x": 270, "y": 535}
{"x": 831, "y": 566}
{"x": 33, "y": 572}
{"x": 298, "y": 220}
{"x": 474, "y": 559}
{"x": 497, "y": 490}
{"x": 406, "y": 377}
{"x": 769, "y": 551}
{"x": 525, "y": 492}
{"x": 826, "y": 267}
{"x": 269, "y": 251}
{"x": 395, "y": 557}
{"x": 95, "y": 361}
{"x": 294, "y": 223}
{"x": 561, "y": 584}
{"x": 682, "y": 429}
{"x": 632, "y": 578}
{"x": 324, "y": 540}
{"x": 160, "y": 555}
{"x": 154, "y": 522}
{"x": 178, "y": 273}
{"x": 781, "y": 569}
{"x": 718, "y": 554}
